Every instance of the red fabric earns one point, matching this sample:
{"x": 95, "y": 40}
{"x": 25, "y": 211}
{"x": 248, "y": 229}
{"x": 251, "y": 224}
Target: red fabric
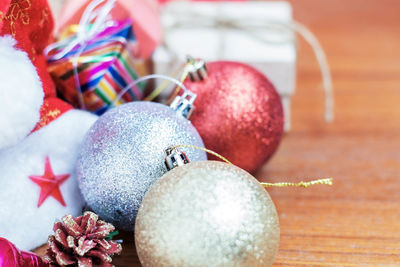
{"x": 30, "y": 22}
{"x": 52, "y": 108}
{"x": 4, "y": 6}
{"x": 48, "y": 85}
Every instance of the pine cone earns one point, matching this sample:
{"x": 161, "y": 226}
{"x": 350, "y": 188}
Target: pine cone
{"x": 81, "y": 242}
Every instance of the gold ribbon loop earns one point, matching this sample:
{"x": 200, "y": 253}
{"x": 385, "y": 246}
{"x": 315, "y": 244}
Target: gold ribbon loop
{"x": 323, "y": 181}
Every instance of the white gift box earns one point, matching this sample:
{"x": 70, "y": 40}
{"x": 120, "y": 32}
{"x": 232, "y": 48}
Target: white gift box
{"x": 247, "y": 32}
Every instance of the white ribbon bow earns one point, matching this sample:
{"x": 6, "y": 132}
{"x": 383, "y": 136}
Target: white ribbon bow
{"x": 92, "y": 22}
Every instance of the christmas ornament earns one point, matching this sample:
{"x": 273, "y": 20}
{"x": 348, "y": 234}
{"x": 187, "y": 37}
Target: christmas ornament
{"x": 206, "y": 214}
{"x": 122, "y": 155}
{"x": 49, "y": 184}
{"x": 238, "y": 113}
{"x": 81, "y": 241}
{"x": 11, "y": 256}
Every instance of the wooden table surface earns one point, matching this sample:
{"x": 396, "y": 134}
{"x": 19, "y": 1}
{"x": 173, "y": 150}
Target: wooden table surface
{"x": 356, "y": 222}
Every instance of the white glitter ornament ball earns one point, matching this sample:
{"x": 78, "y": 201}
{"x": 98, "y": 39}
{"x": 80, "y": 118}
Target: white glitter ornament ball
{"x": 207, "y": 214}
{"x": 122, "y": 155}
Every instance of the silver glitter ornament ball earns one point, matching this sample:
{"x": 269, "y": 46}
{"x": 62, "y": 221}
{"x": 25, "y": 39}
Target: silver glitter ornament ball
{"x": 207, "y": 214}
{"x": 122, "y": 155}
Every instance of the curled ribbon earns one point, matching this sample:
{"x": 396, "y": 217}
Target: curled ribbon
{"x": 85, "y": 31}
{"x": 93, "y": 21}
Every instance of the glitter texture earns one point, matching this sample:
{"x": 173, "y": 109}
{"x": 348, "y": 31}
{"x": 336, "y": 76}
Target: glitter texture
{"x": 238, "y": 113}
{"x": 207, "y": 214}
{"x": 122, "y": 155}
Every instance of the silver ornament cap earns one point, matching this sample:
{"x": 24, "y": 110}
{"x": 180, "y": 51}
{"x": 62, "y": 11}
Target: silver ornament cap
{"x": 175, "y": 158}
{"x": 183, "y": 105}
{"x": 197, "y": 69}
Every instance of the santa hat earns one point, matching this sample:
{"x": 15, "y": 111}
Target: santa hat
{"x": 40, "y": 134}
{"x": 26, "y": 88}
{"x": 28, "y": 211}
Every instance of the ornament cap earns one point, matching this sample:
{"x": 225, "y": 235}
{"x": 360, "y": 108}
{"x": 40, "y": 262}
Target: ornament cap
{"x": 183, "y": 104}
{"x": 175, "y": 158}
{"x": 197, "y": 69}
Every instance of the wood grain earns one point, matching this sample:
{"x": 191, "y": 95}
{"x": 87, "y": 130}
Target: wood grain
{"x": 356, "y": 222}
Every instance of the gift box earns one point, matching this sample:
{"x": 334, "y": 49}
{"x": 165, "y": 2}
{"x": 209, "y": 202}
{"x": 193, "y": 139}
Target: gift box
{"x": 248, "y": 32}
{"x": 143, "y": 13}
{"x": 92, "y": 74}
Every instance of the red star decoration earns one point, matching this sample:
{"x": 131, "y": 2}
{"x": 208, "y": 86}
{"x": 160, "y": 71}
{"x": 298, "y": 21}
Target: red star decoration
{"x": 49, "y": 184}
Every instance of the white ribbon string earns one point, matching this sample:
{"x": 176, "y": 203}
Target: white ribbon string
{"x": 252, "y": 27}
{"x": 148, "y": 77}
{"x": 91, "y": 23}
{"x": 323, "y": 64}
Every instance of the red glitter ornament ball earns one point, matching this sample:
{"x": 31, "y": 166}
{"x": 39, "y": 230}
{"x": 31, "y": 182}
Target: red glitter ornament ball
{"x": 238, "y": 113}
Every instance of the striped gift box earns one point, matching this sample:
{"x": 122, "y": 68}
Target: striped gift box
{"x": 104, "y": 67}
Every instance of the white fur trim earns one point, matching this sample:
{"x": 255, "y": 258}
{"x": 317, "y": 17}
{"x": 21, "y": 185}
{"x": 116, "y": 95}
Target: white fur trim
{"x": 21, "y": 93}
{"x": 21, "y": 221}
